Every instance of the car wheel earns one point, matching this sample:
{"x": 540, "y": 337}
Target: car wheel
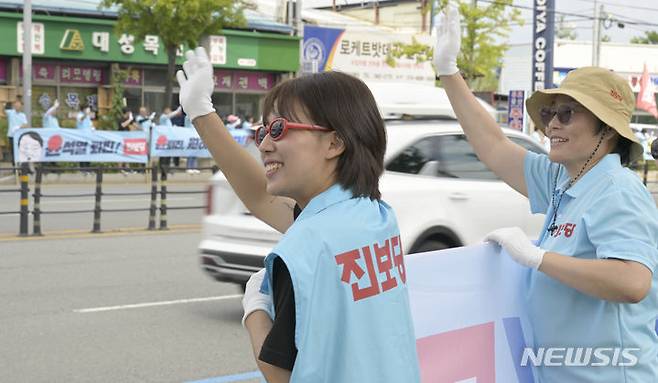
{"x": 430, "y": 245}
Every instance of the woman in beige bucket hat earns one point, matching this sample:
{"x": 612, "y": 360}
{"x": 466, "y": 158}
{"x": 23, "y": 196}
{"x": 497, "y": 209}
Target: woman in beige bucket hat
{"x": 590, "y": 283}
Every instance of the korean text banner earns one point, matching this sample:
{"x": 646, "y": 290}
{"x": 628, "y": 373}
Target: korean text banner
{"x": 467, "y": 314}
{"x": 185, "y": 142}
{"x": 74, "y": 145}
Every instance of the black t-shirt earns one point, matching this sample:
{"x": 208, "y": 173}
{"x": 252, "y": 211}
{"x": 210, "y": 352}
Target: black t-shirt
{"x": 279, "y": 347}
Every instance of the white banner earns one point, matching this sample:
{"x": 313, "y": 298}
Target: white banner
{"x": 468, "y": 317}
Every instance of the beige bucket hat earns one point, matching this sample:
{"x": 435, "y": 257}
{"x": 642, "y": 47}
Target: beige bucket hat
{"x": 604, "y": 93}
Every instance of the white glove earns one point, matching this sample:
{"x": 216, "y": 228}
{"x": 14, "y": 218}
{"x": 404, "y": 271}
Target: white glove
{"x": 196, "y": 89}
{"x": 253, "y": 299}
{"x": 130, "y": 116}
{"x": 152, "y": 116}
{"x": 448, "y": 42}
{"x": 56, "y": 104}
{"x": 517, "y": 244}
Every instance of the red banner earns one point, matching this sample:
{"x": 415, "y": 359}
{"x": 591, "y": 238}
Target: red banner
{"x": 646, "y": 100}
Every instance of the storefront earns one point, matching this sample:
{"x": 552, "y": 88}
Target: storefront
{"x": 73, "y": 60}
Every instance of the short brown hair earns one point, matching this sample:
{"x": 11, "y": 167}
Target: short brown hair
{"x": 345, "y": 104}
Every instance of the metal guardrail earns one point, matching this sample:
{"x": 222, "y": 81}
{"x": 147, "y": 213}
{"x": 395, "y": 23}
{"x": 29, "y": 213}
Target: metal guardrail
{"x": 159, "y": 176}
{"x": 158, "y": 187}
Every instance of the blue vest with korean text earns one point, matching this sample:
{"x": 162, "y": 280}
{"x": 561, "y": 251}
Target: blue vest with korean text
{"x": 353, "y": 322}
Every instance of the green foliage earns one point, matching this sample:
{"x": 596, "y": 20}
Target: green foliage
{"x": 176, "y": 22}
{"x": 116, "y": 105}
{"x": 650, "y": 37}
{"x": 4, "y": 125}
{"x": 564, "y": 31}
{"x": 415, "y": 51}
{"x": 481, "y": 55}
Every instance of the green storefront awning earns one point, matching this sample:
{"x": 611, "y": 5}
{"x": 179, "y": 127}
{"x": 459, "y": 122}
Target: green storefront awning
{"x": 88, "y": 39}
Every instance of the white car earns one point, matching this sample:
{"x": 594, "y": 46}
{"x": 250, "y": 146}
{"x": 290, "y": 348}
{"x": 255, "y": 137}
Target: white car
{"x": 442, "y": 194}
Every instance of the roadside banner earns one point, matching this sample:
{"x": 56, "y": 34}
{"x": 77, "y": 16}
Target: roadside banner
{"x": 75, "y": 145}
{"x": 468, "y": 316}
{"x": 515, "y": 110}
{"x": 177, "y": 141}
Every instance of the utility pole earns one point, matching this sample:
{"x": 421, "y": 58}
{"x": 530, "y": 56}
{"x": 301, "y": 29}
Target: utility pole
{"x": 27, "y": 61}
{"x": 596, "y": 37}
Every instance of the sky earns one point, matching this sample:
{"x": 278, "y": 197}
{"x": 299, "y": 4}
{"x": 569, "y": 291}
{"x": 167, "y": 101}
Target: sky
{"x": 578, "y": 11}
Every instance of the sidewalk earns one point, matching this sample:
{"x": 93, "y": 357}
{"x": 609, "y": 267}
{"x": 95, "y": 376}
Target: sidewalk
{"x": 76, "y": 177}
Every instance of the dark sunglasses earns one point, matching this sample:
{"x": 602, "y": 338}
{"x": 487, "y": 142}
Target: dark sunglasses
{"x": 563, "y": 112}
{"x": 278, "y": 127}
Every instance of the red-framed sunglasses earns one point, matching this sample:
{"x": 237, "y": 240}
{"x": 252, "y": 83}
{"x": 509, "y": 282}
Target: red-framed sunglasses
{"x": 278, "y": 127}
{"x": 563, "y": 112}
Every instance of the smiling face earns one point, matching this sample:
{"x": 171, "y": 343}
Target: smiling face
{"x": 302, "y": 164}
{"x": 573, "y": 142}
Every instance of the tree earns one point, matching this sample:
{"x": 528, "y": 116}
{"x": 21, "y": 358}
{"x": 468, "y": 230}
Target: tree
{"x": 481, "y": 50}
{"x": 176, "y": 22}
{"x": 565, "y": 30}
{"x": 650, "y": 37}
{"x": 116, "y": 109}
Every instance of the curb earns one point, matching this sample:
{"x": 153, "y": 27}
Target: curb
{"x": 81, "y": 233}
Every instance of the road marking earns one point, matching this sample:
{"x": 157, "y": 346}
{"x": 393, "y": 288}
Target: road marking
{"x": 77, "y": 233}
{"x": 231, "y": 378}
{"x": 153, "y": 304}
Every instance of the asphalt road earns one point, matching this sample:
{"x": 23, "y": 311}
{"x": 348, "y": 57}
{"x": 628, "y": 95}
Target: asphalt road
{"x": 117, "y": 308}
{"x": 52, "y": 221}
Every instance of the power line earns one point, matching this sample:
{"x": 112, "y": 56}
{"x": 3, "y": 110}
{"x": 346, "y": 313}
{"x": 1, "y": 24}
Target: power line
{"x": 592, "y": 18}
{"x": 621, "y": 5}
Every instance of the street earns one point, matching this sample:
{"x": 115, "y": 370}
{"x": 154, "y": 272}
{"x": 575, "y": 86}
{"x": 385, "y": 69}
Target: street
{"x": 129, "y": 307}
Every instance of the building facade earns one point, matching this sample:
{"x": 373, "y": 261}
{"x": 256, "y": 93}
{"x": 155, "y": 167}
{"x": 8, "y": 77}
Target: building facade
{"x": 73, "y": 60}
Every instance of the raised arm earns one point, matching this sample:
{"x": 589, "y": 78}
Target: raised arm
{"x": 492, "y": 147}
{"x": 242, "y": 171}
{"x": 51, "y": 111}
{"x": 176, "y": 112}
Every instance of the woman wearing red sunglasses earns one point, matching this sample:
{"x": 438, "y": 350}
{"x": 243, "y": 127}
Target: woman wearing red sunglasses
{"x": 589, "y": 288}
{"x": 331, "y": 304}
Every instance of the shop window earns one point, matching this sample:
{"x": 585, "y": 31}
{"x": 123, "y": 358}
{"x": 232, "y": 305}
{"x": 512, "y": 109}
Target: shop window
{"x": 133, "y": 98}
{"x": 154, "y": 101}
{"x": 248, "y": 105}
{"x": 223, "y": 103}
{"x": 155, "y": 77}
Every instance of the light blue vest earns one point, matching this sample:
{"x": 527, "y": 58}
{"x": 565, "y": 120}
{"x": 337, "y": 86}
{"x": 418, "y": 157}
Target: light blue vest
{"x": 353, "y": 322}
{"x": 50, "y": 122}
{"x": 83, "y": 122}
{"x": 165, "y": 121}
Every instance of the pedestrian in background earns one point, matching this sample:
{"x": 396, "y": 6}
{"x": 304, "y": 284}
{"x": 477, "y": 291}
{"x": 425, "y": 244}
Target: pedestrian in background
{"x": 83, "y": 122}
{"x": 591, "y": 276}
{"x": 191, "y": 163}
{"x": 165, "y": 120}
{"x": 144, "y": 120}
{"x": 50, "y": 120}
{"x": 16, "y": 119}
{"x": 126, "y": 123}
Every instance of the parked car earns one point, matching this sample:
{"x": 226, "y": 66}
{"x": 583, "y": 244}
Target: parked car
{"x": 442, "y": 194}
